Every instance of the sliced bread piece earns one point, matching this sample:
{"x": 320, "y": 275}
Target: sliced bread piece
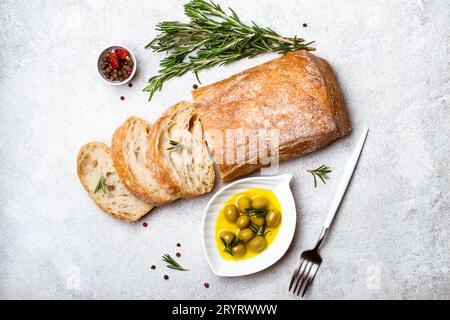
{"x": 177, "y": 152}
{"x": 128, "y": 150}
{"x": 94, "y": 163}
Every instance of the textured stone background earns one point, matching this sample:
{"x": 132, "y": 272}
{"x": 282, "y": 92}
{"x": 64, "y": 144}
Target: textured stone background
{"x": 391, "y": 238}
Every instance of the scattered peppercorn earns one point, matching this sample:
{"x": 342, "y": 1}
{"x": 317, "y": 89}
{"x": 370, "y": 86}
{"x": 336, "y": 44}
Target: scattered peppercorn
{"x": 195, "y": 86}
{"x": 153, "y": 267}
{"x": 123, "y": 98}
{"x": 166, "y": 277}
{"x": 206, "y": 284}
{"x": 130, "y": 84}
{"x": 145, "y": 223}
{"x": 178, "y": 254}
{"x": 305, "y": 25}
{"x": 178, "y": 245}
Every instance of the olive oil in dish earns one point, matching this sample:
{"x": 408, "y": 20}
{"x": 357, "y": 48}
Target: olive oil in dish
{"x": 247, "y": 224}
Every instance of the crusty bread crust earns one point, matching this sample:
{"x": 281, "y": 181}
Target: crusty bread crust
{"x": 297, "y": 95}
{"x": 155, "y": 162}
{"x": 158, "y": 155}
{"x": 140, "y": 208}
{"x": 149, "y": 192}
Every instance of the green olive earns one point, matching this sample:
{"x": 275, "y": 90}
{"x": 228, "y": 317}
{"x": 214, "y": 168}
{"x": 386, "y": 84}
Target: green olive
{"x": 257, "y": 244}
{"x": 259, "y": 202}
{"x": 238, "y": 250}
{"x": 242, "y": 221}
{"x": 259, "y": 221}
{"x": 230, "y": 212}
{"x": 246, "y": 235}
{"x": 227, "y": 236}
{"x": 273, "y": 218}
{"x": 243, "y": 202}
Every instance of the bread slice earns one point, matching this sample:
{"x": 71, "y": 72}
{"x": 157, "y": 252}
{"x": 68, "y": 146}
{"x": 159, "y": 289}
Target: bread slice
{"x": 128, "y": 149}
{"x": 184, "y": 169}
{"x": 93, "y": 162}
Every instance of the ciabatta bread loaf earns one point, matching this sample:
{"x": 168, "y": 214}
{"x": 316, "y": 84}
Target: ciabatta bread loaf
{"x": 296, "y": 97}
{"x": 94, "y": 163}
{"x": 177, "y": 153}
{"x": 129, "y": 147}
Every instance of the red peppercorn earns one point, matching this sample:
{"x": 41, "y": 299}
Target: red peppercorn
{"x": 206, "y": 284}
{"x": 122, "y": 53}
{"x": 122, "y": 98}
{"x": 113, "y": 60}
{"x": 178, "y": 254}
{"x": 145, "y": 224}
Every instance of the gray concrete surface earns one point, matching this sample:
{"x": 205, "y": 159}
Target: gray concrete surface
{"x": 391, "y": 238}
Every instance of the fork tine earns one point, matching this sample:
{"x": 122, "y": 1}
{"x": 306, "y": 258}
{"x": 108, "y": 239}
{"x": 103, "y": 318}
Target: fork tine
{"x": 310, "y": 264}
{"x": 295, "y": 274}
{"x": 311, "y": 277}
{"x": 300, "y": 275}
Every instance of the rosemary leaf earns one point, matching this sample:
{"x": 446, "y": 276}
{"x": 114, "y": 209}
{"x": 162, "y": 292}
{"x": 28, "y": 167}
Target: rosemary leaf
{"x": 255, "y": 212}
{"x": 175, "y": 146}
{"x": 101, "y": 185}
{"x": 259, "y": 230}
{"x": 172, "y": 264}
{"x": 227, "y": 247}
{"x": 321, "y": 173}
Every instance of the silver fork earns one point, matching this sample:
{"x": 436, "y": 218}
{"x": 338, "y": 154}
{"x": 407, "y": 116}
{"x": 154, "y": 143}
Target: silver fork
{"x": 310, "y": 260}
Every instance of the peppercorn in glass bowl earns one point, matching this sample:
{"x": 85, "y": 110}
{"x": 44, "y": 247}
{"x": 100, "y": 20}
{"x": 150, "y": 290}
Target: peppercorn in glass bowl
{"x": 116, "y": 65}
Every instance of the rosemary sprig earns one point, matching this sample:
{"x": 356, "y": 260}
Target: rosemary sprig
{"x": 172, "y": 264}
{"x": 212, "y": 37}
{"x": 227, "y": 247}
{"x": 259, "y": 230}
{"x": 101, "y": 185}
{"x": 256, "y": 212}
{"x": 321, "y": 173}
{"x": 175, "y": 146}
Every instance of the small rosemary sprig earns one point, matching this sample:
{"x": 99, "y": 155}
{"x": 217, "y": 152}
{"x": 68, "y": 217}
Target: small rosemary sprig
{"x": 101, "y": 185}
{"x": 321, "y": 173}
{"x": 212, "y": 37}
{"x": 256, "y": 212}
{"x": 172, "y": 264}
{"x": 175, "y": 146}
{"x": 259, "y": 231}
{"x": 227, "y": 247}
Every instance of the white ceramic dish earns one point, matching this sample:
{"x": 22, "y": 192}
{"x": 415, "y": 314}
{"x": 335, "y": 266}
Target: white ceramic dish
{"x": 133, "y": 71}
{"x": 279, "y": 185}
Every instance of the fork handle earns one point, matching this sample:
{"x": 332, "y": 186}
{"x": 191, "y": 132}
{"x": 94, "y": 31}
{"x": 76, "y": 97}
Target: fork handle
{"x": 345, "y": 180}
{"x": 341, "y": 189}
{"x": 323, "y": 234}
